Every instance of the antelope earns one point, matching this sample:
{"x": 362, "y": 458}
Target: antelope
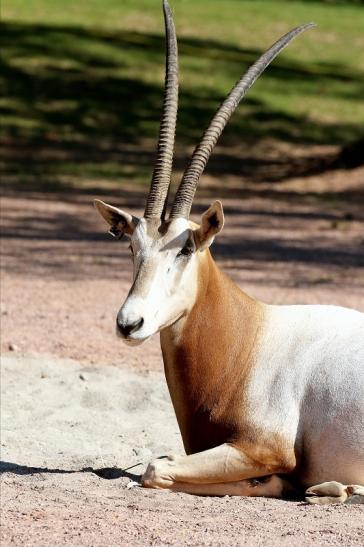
{"x": 267, "y": 397}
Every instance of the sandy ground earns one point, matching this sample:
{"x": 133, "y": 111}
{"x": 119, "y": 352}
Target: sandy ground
{"x": 79, "y": 408}
{"x": 69, "y": 431}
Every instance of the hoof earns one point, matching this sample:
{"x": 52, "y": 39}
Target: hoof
{"x": 326, "y": 493}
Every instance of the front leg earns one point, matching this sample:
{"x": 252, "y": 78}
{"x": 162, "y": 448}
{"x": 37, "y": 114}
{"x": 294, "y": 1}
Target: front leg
{"x": 224, "y": 470}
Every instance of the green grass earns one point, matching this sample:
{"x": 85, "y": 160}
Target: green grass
{"x": 85, "y": 78}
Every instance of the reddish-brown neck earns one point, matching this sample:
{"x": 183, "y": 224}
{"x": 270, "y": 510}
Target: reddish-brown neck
{"x": 207, "y": 357}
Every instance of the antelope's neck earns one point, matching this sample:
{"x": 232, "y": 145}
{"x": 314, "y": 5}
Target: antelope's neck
{"x": 208, "y": 355}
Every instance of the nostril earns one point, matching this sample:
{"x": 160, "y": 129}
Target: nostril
{"x": 137, "y": 325}
{"x": 129, "y": 328}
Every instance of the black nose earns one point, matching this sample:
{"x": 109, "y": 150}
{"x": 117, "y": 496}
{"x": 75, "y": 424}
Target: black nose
{"x": 129, "y": 328}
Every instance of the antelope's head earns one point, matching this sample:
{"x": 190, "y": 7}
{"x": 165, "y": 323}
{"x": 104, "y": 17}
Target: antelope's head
{"x": 166, "y": 251}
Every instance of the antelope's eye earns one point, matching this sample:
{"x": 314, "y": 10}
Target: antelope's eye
{"x": 186, "y": 251}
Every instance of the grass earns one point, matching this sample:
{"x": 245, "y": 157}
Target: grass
{"x": 82, "y": 81}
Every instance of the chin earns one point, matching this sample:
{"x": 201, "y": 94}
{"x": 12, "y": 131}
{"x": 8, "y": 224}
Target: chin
{"x": 135, "y": 341}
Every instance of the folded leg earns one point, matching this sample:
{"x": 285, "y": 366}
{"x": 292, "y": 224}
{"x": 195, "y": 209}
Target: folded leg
{"x": 224, "y": 470}
{"x": 271, "y": 486}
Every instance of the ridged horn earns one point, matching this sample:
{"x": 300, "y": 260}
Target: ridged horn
{"x": 187, "y": 188}
{"x": 161, "y": 179}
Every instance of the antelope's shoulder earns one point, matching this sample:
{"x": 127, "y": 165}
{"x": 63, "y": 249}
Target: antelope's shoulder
{"x": 311, "y": 320}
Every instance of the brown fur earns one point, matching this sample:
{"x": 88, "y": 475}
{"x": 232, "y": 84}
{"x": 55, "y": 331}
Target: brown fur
{"x": 208, "y": 363}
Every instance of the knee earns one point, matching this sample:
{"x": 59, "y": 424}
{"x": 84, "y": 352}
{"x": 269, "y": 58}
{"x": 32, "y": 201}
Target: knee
{"x": 158, "y": 474}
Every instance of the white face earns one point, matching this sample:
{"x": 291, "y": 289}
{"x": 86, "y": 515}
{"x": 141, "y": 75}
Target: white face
{"x": 165, "y": 258}
{"x": 164, "y": 279}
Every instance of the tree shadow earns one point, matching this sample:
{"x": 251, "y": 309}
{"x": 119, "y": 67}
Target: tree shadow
{"x": 309, "y": 253}
{"x": 72, "y": 245}
{"x": 74, "y": 107}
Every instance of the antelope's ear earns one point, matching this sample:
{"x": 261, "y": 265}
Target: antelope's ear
{"x": 120, "y": 222}
{"x": 212, "y": 222}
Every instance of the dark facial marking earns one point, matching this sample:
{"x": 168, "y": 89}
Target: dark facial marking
{"x": 187, "y": 249}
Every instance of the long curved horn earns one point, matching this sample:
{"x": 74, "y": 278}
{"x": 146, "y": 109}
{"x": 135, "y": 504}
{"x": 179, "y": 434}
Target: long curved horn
{"x": 161, "y": 179}
{"x": 187, "y": 188}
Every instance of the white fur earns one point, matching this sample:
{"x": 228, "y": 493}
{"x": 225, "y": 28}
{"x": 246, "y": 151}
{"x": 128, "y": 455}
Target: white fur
{"x": 169, "y": 283}
{"x": 308, "y": 385}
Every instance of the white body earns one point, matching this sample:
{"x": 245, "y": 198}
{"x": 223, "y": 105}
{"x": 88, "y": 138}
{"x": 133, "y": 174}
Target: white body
{"x": 308, "y": 385}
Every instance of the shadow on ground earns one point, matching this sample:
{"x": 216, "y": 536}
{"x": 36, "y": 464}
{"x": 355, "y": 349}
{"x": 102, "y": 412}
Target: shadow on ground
{"x": 109, "y": 473}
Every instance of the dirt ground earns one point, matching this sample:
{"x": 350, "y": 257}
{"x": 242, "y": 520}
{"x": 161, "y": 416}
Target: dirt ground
{"x": 79, "y": 408}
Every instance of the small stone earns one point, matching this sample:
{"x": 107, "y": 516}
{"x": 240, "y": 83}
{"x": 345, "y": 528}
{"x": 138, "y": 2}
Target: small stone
{"x": 13, "y": 347}
{"x": 132, "y": 484}
{"x": 81, "y": 377}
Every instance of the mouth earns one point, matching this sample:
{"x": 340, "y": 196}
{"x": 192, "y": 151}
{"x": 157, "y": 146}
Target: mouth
{"x": 139, "y": 340}
{"x": 130, "y": 340}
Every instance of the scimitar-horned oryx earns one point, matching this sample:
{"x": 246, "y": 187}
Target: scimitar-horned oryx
{"x": 264, "y": 395}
